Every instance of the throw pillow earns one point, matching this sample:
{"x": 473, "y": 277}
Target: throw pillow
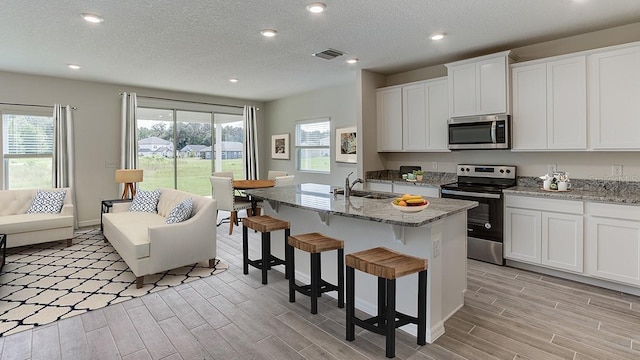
{"x": 180, "y": 212}
{"x": 145, "y": 201}
{"x": 49, "y": 202}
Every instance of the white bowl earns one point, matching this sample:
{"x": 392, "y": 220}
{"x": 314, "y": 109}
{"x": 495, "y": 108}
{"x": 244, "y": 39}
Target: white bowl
{"x": 410, "y": 209}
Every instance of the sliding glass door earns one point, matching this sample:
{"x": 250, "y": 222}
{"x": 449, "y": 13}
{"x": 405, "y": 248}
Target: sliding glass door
{"x": 228, "y": 144}
{"x": 193, "y": 138}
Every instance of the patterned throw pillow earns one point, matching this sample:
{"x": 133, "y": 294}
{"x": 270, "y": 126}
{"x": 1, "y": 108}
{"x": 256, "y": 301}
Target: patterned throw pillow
{"x": 49, "y": 202}
{"x": 145, "y": 201}
{"x": 180, "y": 212}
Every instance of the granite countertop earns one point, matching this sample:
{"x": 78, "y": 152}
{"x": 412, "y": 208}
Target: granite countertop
{"x": 318, "y": 197}
{"x": 600, "y": 195}
{"x": 430, "y": 179}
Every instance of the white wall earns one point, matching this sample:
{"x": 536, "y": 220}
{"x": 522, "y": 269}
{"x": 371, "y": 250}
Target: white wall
{"x": 96, "y": 127}
{"x": 339, "y": 103}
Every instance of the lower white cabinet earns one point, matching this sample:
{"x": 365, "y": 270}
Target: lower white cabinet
{"x": 613, "y": 244}
{"x": 412, "y": 189}
{"x": 384, "y": 187}
{"x": 544, "y": 231}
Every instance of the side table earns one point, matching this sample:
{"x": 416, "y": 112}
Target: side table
{"x": 107, "y": 205}
{"x": 3, "y": 246}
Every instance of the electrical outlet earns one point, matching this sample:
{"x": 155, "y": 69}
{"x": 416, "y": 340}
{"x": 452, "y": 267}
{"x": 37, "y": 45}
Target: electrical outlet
{"x": 434, "y": 165}
{"x": 111, "y": 164}
{"x": 551, "y": 168}
{"x": 616, "y": 170}
{"x": 436, "y": 248}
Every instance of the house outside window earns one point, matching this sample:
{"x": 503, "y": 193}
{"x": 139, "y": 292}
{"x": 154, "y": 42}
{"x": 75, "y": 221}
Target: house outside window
{"x": 313, "y": 146}
{"x": 27, "y": 149}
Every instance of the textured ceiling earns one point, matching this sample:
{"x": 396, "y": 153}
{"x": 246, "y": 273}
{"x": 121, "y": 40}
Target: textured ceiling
{"x": 197, "y": 45}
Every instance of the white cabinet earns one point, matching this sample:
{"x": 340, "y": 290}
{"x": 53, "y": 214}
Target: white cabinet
{"x": 413, "y": 117}
{"x": 428, "y": 191}
{"x": 479, "y": 86}
{"x": 544, "y": 231}
{"x": 389, "y": 119}
{"x": 614, "y": 99}
{"x": 549, "y": 105}
{"x": 425, "y": 116}
{"x": 613, "y": 244}
{"x": 384, "y": 187}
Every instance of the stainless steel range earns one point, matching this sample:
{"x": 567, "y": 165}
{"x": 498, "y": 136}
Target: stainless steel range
{"x": 484, "y": 184}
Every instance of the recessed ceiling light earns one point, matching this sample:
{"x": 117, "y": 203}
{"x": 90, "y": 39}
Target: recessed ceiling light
{"x": 233, "y": 80}
{"x": 74, "y": 66}
{"x": 437, "y": 37}
{"x": 316, "y": 7}
{"x": 268, "y": 33}
{"x": 92, "y": 18}
{"x": 352, "y": 61}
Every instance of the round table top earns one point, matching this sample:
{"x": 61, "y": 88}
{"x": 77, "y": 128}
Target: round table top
{"x": 252, "y": 184}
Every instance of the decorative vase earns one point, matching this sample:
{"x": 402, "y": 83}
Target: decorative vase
{"x": 419, "y": 177}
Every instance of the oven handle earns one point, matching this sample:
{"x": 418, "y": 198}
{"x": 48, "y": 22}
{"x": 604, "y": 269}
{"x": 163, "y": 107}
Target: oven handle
{"x": 470, "y": 194}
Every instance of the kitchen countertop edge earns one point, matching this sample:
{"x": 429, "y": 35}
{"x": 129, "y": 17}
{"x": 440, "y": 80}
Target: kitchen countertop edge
{"x": 577, "y": 194}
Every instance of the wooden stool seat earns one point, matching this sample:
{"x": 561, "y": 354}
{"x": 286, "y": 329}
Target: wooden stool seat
{"x": 264, "y": 224}
{"x": 315, "y": 244}
{"x": 387, "y": 265}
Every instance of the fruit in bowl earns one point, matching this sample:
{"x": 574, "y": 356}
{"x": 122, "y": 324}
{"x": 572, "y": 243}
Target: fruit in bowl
{"x": 410, "y": 203}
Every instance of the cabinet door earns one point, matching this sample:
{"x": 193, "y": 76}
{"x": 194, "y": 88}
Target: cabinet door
{"x": 614, "y": 99}
{"x": 522, "y": 240}
{"x": 389, "y": 116}
{"x": 614, "y": 250}
{"x": 414, "y": 117}
{"x": 437, "y": 115}
{"x": 529, "y": 119}
{"x": 374, "y": 186}
{"x": 562, "y": 241}
{"x": 567, "y": 104}
{"x": 462, "y": 90}
{"x": 491, "y": 86}
{"x": 429, "y": 191}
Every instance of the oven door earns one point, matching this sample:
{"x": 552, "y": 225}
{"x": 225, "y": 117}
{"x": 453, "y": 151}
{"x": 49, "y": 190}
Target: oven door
{"x": 484, "y": 221}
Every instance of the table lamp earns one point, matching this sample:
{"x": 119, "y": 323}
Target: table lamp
{"x": 128, "y": 177}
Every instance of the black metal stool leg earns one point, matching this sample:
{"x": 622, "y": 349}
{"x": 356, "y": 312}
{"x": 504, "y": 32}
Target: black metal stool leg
{"x": 382, "y": 300}
{"x": 315, "y": 281}
{"x": 390, "y": 315}
{"x": 266, "y": 255}
{"x": 291, "y": 265}
{"x": 245, "y": 250}
{"x": 287, "y": 270}
{"x": 422, "y": 307}
{"x": 340, "y": 278}
{"x": 351, "y": 328}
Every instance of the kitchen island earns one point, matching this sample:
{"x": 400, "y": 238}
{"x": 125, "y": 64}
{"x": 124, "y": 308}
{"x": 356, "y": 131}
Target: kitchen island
{"x": 438, "y": 233}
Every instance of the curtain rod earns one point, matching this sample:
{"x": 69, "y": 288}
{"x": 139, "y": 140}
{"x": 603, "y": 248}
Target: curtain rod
{"x": 33, "y": 105}
{"x": 188, "y": 101}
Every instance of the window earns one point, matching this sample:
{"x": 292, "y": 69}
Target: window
{"x": 313, "y": 146}
{"x": 27, "y": 149}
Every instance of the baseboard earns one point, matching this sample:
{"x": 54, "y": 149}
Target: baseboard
{"x": 87, "y": 223}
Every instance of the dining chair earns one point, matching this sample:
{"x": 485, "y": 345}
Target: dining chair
{"x": 223, "y": 174}
{"x": 284, "y": 180}
{"x": 273, "y": 174}
{"x": 222, "y": 192}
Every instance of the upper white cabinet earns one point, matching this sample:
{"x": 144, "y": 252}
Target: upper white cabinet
{"x": 479, "y": 86}
{"x": 549, "y": 105}
{"x": 413, "y": 117}
{"x": 389, "y": 113}
{"x": 614, "y": 98}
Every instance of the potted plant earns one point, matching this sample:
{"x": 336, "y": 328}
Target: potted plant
{"x": 419, "y": 174}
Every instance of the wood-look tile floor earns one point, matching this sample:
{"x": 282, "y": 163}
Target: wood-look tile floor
{"x": 508, "y": 314}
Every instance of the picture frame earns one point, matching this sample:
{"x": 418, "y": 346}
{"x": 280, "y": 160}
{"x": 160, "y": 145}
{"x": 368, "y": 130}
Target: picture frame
{"x": 346, "y": 145}
{"x": 280, "y": 146}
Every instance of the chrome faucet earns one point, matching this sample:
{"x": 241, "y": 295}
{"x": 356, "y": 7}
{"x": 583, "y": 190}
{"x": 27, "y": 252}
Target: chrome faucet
{"x": 347, "y": 187}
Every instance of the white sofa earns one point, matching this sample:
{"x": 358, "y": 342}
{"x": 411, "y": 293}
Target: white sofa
{"x": 26, "y": 229}
{"x": 149, "y": 245}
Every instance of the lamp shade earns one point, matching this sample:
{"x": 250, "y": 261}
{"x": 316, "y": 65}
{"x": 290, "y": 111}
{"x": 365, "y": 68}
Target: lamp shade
{"x": 128, "y": 175}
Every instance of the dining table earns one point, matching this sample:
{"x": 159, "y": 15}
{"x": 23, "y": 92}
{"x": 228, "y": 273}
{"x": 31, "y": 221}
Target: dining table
{"x": 239, "y": 185}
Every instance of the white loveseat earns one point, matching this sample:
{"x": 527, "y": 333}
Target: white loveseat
{"x": 26, "y": 229}
{"x": 149, "y": 245}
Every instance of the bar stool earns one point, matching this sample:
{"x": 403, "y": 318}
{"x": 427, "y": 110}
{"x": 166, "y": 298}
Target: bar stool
{"x": 264, "y": 224}
{"x": 387, "y": 265}
{"x": 315, "y": 244}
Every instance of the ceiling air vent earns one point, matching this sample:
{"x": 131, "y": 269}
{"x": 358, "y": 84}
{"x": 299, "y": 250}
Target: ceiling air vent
{"x": 329, "y": 54}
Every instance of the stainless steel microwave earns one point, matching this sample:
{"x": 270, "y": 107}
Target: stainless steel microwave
{"x": 479, "y": 132}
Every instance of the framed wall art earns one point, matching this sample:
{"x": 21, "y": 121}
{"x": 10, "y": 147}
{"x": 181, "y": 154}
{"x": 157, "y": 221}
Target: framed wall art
{"x": 346, "y": 145}
{"x": 280, "y": 146}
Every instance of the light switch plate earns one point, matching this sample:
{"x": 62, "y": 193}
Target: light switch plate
{"x": 616, "y": 170}
{"x": 551, "y": 168}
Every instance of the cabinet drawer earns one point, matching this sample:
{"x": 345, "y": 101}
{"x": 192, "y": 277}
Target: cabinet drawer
{"x": 615, "y": 211}
{"x": 545, "y": 204}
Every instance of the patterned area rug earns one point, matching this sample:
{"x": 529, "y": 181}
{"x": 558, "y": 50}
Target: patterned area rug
{"x": 47, "y": 282}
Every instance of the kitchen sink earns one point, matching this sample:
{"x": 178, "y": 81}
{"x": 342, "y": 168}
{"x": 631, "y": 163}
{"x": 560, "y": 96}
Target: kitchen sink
{"x": 367, "y": 194}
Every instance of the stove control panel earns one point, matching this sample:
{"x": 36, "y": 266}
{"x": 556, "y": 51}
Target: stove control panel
{"x": 487, "y": 171}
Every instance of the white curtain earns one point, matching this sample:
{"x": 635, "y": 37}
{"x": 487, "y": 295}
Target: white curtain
{"x": 129, "y": 136}
{"x": 63, "y": 152}
{"x": 250, "y": 143}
